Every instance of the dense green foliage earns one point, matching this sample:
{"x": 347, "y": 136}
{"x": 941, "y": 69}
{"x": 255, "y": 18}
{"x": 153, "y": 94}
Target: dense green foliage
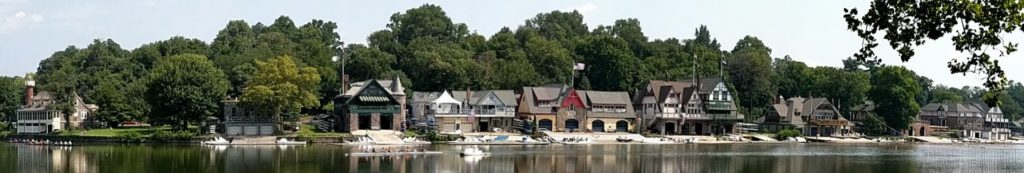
{"x": 894, "y": 90}
{"x": 183, "y": 89}
{"x": 170, "y": 136}
{"x": 787, "y": 133}
{"x": 12, "y": 94}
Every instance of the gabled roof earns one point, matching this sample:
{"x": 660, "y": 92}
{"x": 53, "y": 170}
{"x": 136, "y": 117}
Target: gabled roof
{"x": 708, "y": 84}
{"x": 605, "y": 97}
{"x": 508, "y": 97}
{"x": 546, "y": 93}
{"x": 356, "y": 90}
{"x": 358, "y": 87}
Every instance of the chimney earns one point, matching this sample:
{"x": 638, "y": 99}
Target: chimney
{"x": 30, "y": 86}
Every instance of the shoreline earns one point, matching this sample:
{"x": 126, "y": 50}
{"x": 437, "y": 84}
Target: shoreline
{"x": 339, "y": 141}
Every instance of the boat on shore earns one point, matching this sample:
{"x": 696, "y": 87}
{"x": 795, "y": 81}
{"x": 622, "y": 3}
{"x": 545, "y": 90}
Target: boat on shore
{"x": 43, "y": 142}
{"x": 284, "y": 141}
{"x": 623, "y": 139}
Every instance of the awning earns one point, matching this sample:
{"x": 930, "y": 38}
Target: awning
{"x": 373, "y": 99}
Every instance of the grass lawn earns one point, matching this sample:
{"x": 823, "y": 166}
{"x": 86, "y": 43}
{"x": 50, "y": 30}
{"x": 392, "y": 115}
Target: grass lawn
{"x": 308, "y": 130}
{"x": 111, "y": 132}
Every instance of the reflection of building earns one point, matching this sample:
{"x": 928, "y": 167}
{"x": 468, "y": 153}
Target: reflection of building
{"x": 565, "y": 109}
{"x": 812, "y": 116}
{"x": 38, "y": 115}
{"x": 240, "y": 120}
{"x": 699, "y": 107}
{"x": 371, "y": 105}
{"x": 466, "y": 112}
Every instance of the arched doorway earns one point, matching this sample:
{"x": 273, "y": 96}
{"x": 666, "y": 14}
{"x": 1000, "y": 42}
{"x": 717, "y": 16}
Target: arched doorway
{"x": 544, "y": 124}
{"x": 670, "y": 128}
{"x": 621, "y": 126}
{"x": 597, "y": 126}
{"x": 921, "y": 133}
{"x": 572, "y": 124}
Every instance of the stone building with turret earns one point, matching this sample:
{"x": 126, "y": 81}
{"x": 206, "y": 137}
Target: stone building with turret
{"x": 370, "y": 105}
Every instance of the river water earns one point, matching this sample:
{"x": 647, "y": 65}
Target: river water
{"x": 551, "y": 158}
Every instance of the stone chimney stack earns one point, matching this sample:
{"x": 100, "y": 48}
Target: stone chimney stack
{"x": 30, "y": 86}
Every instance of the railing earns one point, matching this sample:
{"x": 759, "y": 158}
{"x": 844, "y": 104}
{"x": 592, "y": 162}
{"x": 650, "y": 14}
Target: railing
{"x": 997, "y": 120}
{"x": 698, "y": 116}
{"x": 366, "y": 109}
{"x": 828, "y": 122}
{"x": 475, "y": 112}
{"x": 720, "y": 105}
{"x": 250, "y": 119}
{"x": 669, "y": 115}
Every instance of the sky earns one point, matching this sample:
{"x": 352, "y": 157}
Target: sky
{"x": 812, "y": 31}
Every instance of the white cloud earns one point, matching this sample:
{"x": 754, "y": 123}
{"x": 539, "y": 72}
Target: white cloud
{"x": 20, "y": 21}
{"x": 584, "y": 9}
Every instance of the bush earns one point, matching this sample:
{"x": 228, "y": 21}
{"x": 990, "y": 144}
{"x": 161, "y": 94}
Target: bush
{"x": 783, "y": 134}
{"x": 130, "y": 137}
{"x": 410, "y": 134}
{"x": 169, "y": 136}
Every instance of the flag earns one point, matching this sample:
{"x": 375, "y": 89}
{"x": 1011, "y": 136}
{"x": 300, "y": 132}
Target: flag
{"x": 579, "y": 66}
{"x": 723, "y": 62}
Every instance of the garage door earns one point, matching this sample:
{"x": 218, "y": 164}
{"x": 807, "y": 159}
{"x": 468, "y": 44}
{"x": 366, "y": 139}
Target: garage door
{"x": 234, "y": 130}
{"x": 251, "y": 130}
{"x": 266, "y": 130}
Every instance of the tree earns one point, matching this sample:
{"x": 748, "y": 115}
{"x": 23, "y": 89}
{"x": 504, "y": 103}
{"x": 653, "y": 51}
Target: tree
{"x": 845, "y": 88}
{"x": 12, "y": 96}
{"x": 791, "y": 77}
{"x": 750, "y": 71}
{"x": 612, "y": 66}
{"x": 978, "y": 27}
{"x": 281, "y": 87}
{"x": 894, "y": 90}
{"x": 183, "y": 89}
{"x": 552, "y": 61}
{"x": 365, "y": 63}
{"x": 708, "y": 51}
{"x": 943, "y": 94}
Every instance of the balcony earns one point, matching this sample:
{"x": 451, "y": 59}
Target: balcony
{"x": 475, "y": 112}
{"x": 374, "y": 109}
{"x": 828, "y": 122}
{"x": 720, "y": 105}
{"x": 698, "y": 116}
{"x": 249, "y": 119}
{"x": 668, "y": 115}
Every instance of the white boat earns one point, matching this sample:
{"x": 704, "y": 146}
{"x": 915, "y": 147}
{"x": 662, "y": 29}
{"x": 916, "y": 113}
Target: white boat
{"x": 217, "y": 141}
{"x": 361, "y": 141}
{"x": 658, "y": 141}
{"x": 473, "y": 152}
{"x": 284, "y": 141}
{"x": 578, "y": 141}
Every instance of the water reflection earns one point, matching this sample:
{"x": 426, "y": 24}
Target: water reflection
{"x": 553, "y": 158}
